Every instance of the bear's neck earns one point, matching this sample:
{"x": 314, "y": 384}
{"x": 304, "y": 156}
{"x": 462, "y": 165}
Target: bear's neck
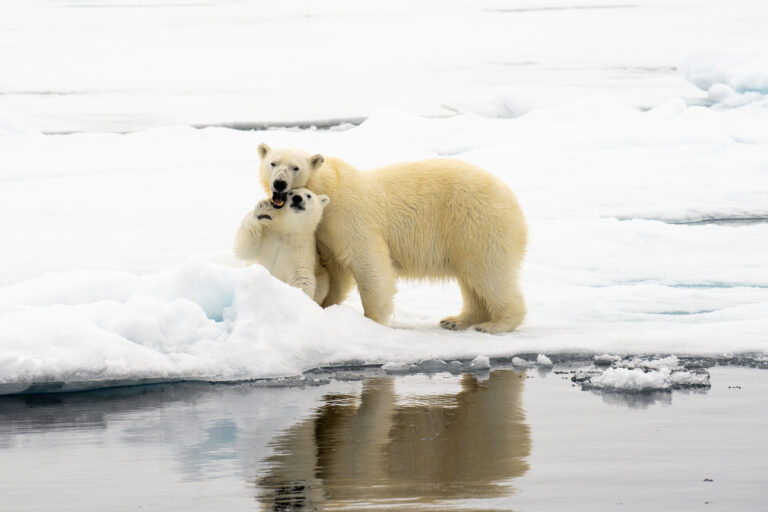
{"x": 296, "y": 239}
{"x": 326, "y": 179}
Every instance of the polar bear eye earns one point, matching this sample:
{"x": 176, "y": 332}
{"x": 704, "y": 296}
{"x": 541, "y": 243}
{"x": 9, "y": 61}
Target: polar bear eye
{"x": 294, "y": 168}
{"x": 309, "y": 196}
{"x": 273, "y": 164}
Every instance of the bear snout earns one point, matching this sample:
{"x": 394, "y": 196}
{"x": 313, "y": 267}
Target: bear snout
{"x": 297, "y": 199}
{"x": 279, "y": 185}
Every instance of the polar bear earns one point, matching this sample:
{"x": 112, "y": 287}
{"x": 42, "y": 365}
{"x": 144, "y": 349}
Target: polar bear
{"x": 283, "y": 241}
{"x": 432, "y": 219}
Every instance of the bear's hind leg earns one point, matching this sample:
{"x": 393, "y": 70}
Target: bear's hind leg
{"x": 505, "y": 302}
{"x": 473, "y": 311}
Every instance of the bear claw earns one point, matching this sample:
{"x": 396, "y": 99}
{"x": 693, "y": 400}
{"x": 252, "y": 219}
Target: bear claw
{"x": 447, "y": 324}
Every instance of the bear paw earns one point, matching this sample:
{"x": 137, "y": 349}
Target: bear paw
{"x": 454, "y": 323}
{"x": 496, "y": 327}
{"x": 263, "y": 210}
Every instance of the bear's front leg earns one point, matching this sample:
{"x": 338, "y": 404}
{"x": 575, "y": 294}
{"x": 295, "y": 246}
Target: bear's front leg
{"x": 305, "y": 279}
{"x": 248, "y": 237}
{"x": 376, "y": 280}
{"x": 339, "y": 281}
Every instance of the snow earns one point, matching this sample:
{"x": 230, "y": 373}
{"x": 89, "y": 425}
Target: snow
{"x": 123, "y": 66}
{"x": 742, "y": 71}
{"x": 645, "y": 187}
{"x": 731, "y": 78}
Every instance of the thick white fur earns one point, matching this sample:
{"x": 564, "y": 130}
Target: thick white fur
{"x": 433, "y": 219}
{"x": 283, "y": 241}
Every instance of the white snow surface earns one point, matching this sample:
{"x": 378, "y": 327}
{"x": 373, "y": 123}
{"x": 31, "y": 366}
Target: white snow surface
{"x": 648, "y": 226}
{"x": 113, "y": 65}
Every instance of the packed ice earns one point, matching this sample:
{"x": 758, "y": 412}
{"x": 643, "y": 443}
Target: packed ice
{"x": 639, "y": 374}
{"x": 641, "y": 169}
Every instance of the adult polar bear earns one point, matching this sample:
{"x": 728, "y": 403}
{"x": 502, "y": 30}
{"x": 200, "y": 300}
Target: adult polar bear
{"x": 432, "y": 219}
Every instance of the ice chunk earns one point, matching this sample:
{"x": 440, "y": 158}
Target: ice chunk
{"x": 637, "y": 380}
{"x": 396, "y": 367}
{"x": 480, "y": 363}
{"x": 606, "y": 360}
{"x": 522, "y": 363}
{"x": 543, "y": 360}
{"x": 670, "y": 362}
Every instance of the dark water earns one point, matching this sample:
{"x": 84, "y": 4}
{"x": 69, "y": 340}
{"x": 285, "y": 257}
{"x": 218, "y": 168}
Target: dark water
{"x": 509, "y": 440}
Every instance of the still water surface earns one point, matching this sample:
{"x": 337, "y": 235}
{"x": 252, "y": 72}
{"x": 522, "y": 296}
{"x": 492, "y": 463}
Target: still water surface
{"x": 508, "y": 440}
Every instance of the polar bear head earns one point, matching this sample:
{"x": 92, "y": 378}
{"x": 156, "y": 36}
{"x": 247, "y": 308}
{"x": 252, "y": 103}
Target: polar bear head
{"x": 283, "y": 170}
{"x": 303, "y": 213}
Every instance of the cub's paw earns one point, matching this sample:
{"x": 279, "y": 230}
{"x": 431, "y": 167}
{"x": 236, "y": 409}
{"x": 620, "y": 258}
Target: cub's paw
{"x": 264, "y": 210}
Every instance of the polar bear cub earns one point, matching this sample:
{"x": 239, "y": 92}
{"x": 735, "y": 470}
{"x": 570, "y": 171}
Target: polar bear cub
{"x": 283, "y": 241}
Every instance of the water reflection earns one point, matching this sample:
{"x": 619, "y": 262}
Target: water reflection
{"x": 88, "y": 410}
{"x": 383, "y": 447}
{"x": 644, "y": 399}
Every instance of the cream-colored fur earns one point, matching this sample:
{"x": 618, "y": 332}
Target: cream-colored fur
{"x": 283, "y": 241}
{"x": 434, "y": 219}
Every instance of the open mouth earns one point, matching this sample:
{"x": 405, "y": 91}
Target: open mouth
{"x": 278, "y": 199}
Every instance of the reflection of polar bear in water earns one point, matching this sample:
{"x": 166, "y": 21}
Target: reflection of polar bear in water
{"x": 375, "y": 447}
{"x": 432, "y": 219}
{"x": 283, "y": 241}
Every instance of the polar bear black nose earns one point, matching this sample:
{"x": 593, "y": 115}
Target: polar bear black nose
{"x": 279, "y": 185}
{"x": 297, "y": 199}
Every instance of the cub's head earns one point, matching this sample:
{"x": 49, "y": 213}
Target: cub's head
{"x": 283, "y": 170}
{"x": 305, "y": 209}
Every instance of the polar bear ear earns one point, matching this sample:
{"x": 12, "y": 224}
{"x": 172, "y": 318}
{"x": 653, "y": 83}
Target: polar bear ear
{"x": 263, "y": 150}
{"x": 324, "y": 200}
{"x": 315, "y": 161}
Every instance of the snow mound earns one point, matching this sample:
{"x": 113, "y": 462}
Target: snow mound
{"x": 742, "y": 71}
{"x": 197, "y": 321}
{"x": 731, "y": 78}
